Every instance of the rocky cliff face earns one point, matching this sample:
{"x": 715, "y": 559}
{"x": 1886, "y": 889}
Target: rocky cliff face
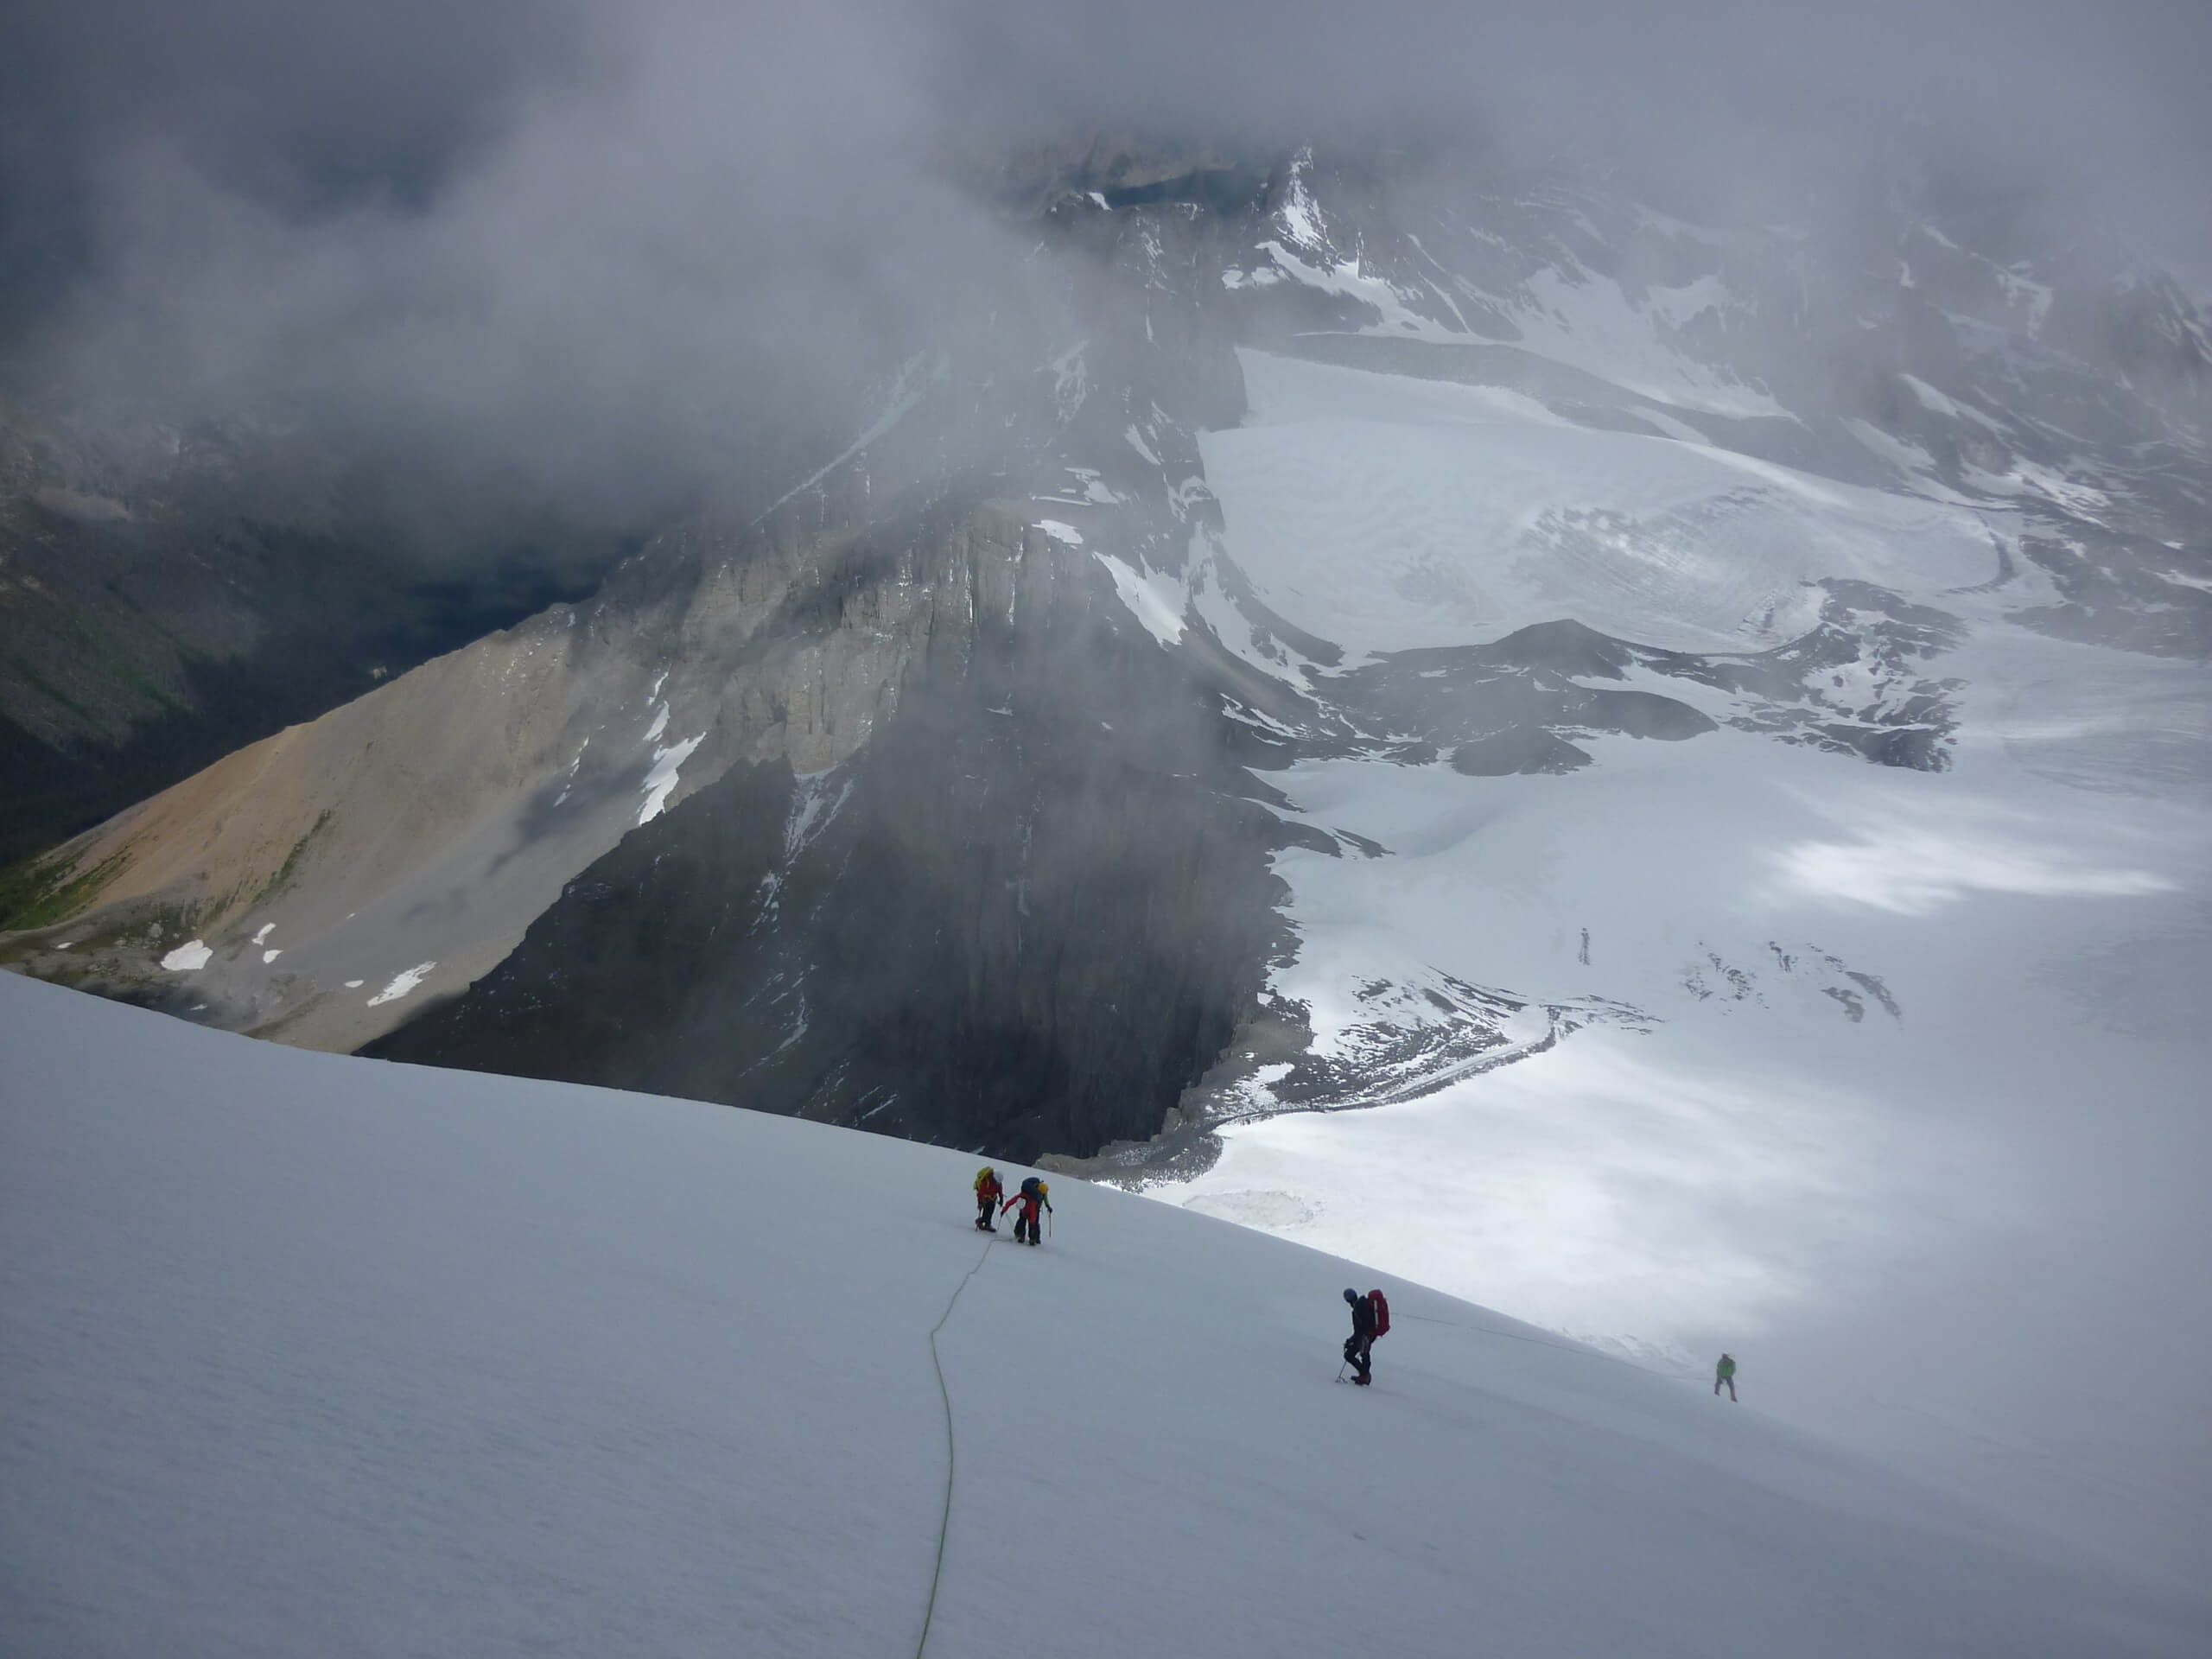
{"x": 434, "y": 818}
{"x": 1024, "y": 914}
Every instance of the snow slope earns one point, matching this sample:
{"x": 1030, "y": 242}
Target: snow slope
{"x": 303, "y": 1354}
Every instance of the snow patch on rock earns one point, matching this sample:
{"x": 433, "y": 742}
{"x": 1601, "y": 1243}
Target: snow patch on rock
{"x": 401, "y": 983}
{"x": 661, "y": 777}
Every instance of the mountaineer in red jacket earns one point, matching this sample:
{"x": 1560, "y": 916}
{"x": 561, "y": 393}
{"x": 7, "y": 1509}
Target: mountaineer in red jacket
{"x": 987, "y": 1193}
{"x": 1032, "y": 1195}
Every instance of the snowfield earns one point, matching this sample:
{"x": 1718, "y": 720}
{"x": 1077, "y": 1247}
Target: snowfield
{"x": 302, "y": 1354}
{"x": 1902, "y": 1081}
{"x": 1386, "y": 513}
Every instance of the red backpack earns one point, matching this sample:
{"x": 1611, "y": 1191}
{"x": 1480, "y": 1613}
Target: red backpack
{"x": 1382, "y": 1312}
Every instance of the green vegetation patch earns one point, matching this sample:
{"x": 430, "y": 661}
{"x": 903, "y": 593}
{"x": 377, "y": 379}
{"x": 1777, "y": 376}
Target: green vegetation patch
{"x": 40, "y": 891}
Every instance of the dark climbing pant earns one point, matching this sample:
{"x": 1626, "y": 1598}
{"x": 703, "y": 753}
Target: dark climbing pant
{"x": 1728, "y": 1382}
{"x": 1356, "y": 1352}
{"x": 984, "y": 1202}
{"x": 1025, "y": 1226}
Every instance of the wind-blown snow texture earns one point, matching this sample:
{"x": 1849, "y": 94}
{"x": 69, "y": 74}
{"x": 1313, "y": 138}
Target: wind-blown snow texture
{"x": 303, "y": 1354}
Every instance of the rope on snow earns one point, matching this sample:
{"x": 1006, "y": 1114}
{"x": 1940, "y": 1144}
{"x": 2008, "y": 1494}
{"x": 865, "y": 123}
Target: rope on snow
{"x": 945, "y": 1521}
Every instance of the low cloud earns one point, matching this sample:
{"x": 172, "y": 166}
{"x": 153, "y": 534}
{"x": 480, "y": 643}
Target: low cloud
{"x": 622, "y": 249}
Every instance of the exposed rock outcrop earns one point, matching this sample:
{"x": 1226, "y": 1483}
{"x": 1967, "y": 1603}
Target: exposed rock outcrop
{"x": 1020, "y": 919}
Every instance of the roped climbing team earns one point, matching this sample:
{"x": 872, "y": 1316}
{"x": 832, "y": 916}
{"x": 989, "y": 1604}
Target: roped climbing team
{"x": 1035, "y": 1195}
{"x": 1370, "y": 1314}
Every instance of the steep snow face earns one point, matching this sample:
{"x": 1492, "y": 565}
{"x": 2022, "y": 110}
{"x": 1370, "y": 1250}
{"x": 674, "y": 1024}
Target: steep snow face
{"x": 317, "y": 1355}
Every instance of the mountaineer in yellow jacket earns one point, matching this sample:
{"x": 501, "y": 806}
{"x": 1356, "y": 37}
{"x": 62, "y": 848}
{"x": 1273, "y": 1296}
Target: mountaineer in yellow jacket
{"x": 988, "y": 1191}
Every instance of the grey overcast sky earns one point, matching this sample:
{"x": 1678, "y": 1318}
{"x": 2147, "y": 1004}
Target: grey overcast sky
{"x": 281, "y": 97}
{"x": 414, "y": 198}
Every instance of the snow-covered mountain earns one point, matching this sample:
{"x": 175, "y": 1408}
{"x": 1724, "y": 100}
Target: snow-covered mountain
{"x": 309, "y": 1354}
{"x": 1311, "y": 634}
